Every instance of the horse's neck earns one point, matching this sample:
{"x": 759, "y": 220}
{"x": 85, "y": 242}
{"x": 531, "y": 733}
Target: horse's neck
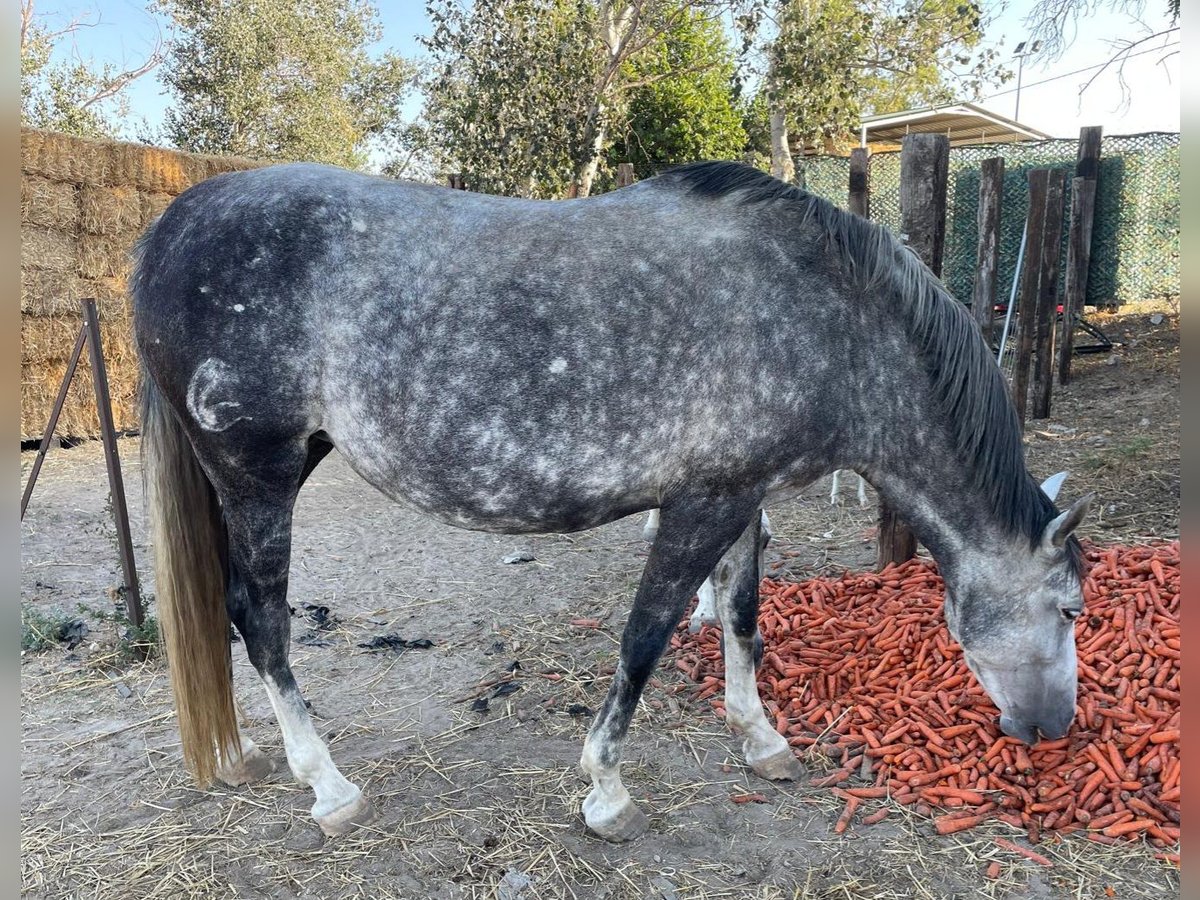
{"x": 920, "y": 475}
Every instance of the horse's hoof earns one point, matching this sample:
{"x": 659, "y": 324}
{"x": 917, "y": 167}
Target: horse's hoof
{"x": 358, "y": 811}
{"x": 253, "y": 766}
{"x": 781, "y": 766}
{"x": 626, "y": 824}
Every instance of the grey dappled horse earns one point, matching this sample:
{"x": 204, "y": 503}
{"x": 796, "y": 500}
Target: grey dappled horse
{"x": 701, "y": 342}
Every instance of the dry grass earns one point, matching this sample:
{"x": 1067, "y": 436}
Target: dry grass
{"x": 106, "y": 255}
{"x": 109, "y": 210}
{"x": 153, "y": 206}
{"x": 48, "y": 250}
{"x": 49, "y": 204}
{"x": 459, "y": 812}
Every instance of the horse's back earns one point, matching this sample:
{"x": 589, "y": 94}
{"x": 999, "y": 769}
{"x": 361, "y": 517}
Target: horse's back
{"x": 501, "y": 361}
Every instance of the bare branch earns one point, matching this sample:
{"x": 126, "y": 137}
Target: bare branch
{"x": 117, "y": 83}
{"x": 1125, "y": 50}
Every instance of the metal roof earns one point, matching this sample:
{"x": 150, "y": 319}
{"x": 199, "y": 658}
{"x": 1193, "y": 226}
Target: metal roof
{"x": 963, "y": 123}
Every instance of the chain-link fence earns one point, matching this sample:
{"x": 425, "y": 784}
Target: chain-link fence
{"x": 1135, "y": 235}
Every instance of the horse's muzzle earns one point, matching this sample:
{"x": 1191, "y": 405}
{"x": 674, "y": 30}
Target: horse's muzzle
{"x": 1050, "y": 727}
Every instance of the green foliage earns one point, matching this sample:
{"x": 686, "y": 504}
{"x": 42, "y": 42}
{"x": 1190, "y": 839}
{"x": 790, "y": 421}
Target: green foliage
{"x": 281, "y": 79}
{"x": 524, "y": 97}
{"x": 507, "y": 91}
{"x": 41, "y": 630}
{"x": 133, "y": 642}
{"x": 834, "y": 61}
{"x": 681, "y": 100}
{"x": 756, "y": 124}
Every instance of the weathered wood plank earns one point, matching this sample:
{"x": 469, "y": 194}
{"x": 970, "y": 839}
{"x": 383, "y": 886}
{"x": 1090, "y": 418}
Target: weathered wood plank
{"x": 860, "y": 183}
{"x": 1079, "y": 242}
{"x": 1047, "y": 305}
{"x": 924, "y": 171}
{"x": 1027, "y": 295}
{"x": 991, "y": 201}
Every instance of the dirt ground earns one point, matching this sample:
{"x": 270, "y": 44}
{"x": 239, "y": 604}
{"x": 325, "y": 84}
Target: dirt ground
{"x": 487, "y": 804}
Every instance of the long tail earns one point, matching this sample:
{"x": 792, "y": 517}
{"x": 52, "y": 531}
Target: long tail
{"x": 190, "y": 572}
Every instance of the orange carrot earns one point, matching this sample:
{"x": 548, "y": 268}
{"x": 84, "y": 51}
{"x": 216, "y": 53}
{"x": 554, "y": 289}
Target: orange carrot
{"x": 847, "y": 814}
{"x": 1028, "y": 854}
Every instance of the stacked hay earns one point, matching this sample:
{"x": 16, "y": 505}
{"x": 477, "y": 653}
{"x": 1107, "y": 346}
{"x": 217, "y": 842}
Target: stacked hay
{"x": 84, "y": 203}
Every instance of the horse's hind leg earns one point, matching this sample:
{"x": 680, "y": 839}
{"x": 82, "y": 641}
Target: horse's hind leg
{"x": 692, "y": 536}
{"x": 650, "y": 529}
{"x": 705, "y": 612}
{"x": 250, "y": 765}
{"x": 736, "y": 581}
{"x": 259, "y": 521}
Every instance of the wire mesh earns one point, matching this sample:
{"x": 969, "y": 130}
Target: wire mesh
{"x": 1135, "y": 235}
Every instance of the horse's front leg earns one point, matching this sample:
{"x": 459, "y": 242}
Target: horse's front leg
{"x": 692, "y": 536}
{"x": 736, "y": 587}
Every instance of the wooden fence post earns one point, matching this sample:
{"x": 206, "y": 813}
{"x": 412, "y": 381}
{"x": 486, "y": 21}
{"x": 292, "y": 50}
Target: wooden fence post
{"x": 625, "y": 175}
{"x": 924, "y": 172}
{"x": 860, "y": 182}
{"x": 1079, "y": 242}
{"x": 456, "y": 181}
{"x": 1047, "y": 305}
{"x": 1035, "y": 221}
{"x": 991, "y": 201}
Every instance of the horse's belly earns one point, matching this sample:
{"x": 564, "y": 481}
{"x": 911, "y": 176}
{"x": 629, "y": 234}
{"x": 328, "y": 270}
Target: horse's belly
{"x": 530, "y": 496}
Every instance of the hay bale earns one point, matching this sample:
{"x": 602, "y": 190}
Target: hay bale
{"x": 48, "y": 250}
{"x": 218, "y": 165}
{"x": 51, "y": 204}
{"x": 106, "y": 210}
{"x": 58, "y": 157}
{"x": 48, "y": 340}
{"x": 39, "y": 387}
{"x": 46, "y": 346}
{"x": 106, "y": 255}
{"x": 153, "y": 206}
{"x": 56, "y": 294}
{"x": 51, "y": 293}
{"x": 151, "y": 168}
{"x": 111, "y": 296}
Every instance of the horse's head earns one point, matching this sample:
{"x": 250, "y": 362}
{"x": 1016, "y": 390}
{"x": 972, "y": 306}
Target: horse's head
{"x": 1014, "y": 616}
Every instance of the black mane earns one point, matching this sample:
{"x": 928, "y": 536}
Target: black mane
{"x": 970, "y": 389}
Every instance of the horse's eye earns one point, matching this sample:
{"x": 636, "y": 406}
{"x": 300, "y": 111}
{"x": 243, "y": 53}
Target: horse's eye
{"x": 1070, "y": 614}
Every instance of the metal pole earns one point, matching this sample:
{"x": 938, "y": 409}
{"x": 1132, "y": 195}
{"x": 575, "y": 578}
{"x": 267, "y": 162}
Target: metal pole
{"x": 108, "y": 434}
{"x": 1020, "y": 69}
{"x": 1012, "y": 295}
{"x": 55, "y": 412}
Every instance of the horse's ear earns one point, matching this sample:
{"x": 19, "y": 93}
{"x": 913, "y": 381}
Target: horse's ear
{"x": 1055, "y": 536}
{"x": 1052, "y": 485}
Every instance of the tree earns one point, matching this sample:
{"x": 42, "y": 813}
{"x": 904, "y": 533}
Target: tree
{"x": 281, "y": 79}
{"x": 830, "y": 61}
{"x": 507, "y": 91}
{"x": 524, "y": 93}
{"x": 681, "y": 100}
{"x": 72, "y": 95}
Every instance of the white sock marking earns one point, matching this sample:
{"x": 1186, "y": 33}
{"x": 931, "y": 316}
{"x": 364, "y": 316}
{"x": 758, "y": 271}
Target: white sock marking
{"x": 307, "y": 754}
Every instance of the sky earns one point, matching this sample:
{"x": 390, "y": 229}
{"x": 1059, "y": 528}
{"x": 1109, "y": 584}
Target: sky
{"x": 123, "y": 32}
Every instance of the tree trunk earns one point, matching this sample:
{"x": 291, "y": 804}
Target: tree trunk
{"x": 587, "y": 173}
{"x": 781, "y": 155}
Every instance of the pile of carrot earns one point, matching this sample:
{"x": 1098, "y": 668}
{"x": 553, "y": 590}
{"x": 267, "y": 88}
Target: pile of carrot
{"x": 862, "y": 668}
